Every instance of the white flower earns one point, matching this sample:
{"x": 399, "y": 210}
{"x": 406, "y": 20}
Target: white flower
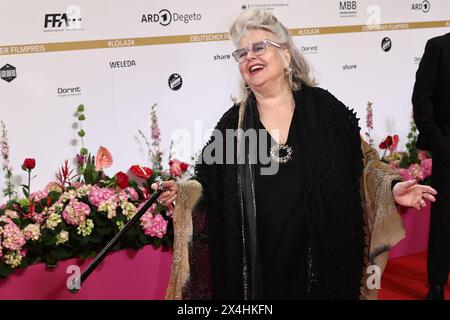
{"x": 13, "y": 258}
{"x": 84, "y": 190}
{"x": 128, "y": 209}
{"x": 85, "y": 228}
{"x": 120, "y": 224}
{"x": 108, "y": 206}
{"x": 11, "y": 214}
{"x": 53, "y": 220}
{"x": 62, "y": 237}
{"x": 32, "y": 231}
{"x": 68, "y": 195}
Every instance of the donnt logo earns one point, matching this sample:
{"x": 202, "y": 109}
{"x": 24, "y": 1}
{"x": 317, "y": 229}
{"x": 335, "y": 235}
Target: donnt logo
{"x": 309, "y": 49}
{"x": 424, "y": 6}
{"x": 348, "y": 9}
{"x": 69, "y": 20}
{"x": 164, "y": 17}
{"x": 69, "y": 92}
{"x": 8, "y": 72}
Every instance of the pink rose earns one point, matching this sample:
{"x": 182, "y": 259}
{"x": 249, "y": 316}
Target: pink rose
{"x": 177, "y": 168}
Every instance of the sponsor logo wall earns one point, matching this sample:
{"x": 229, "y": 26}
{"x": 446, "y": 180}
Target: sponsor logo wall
{"x": 120, "y": 59}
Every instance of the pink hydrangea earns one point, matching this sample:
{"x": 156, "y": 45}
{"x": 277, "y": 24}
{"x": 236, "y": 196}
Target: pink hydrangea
{"x": 150, "y": 210}
{"x": 99, "y": 195}
{"x": 426, "y": 167}
{"x": 38, "y": 195}
{"x": 13, "y": 238}
{"x": 52, "y": 186}
{"x": 154, "y": 226}
{"x": 76, "y": 212}
{"x": 423, "y": 155}
{"x": 128, "y": 193}
{"x": 169, "y": 211}
{"x": 405, "y": 173}
{"x": 416, "y": 171}
{"x": 38, "y": 217}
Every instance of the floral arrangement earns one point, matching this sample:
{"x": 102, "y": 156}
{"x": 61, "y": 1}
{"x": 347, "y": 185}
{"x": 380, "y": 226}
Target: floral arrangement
{"x": 79, "y": 212}
{"x": 410, "y": 164}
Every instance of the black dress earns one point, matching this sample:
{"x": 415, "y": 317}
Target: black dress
{"x": 282, "y": 234}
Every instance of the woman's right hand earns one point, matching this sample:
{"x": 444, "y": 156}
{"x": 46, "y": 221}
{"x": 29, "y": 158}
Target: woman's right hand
{"x": 170, "y": 192}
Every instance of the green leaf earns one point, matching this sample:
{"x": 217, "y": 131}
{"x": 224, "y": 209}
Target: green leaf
{"x": 80, "y": 108}
{"x": 5, "y": 270}
{"x": 84, "y": 151}
{"x": 81, "y": 117}
{"x": 25, "y": 191}
{"x": 81, "y": 133}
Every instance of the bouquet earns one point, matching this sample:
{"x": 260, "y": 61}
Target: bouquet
{"x": 83, "y": 208}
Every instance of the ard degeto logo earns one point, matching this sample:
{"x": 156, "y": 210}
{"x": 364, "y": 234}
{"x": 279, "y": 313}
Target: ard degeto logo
{"x": 386, "y": 44}
{"x": 8, "y": 72}
{"x": 424, "y": 6}
{"x": 69, "y": 20}
{"x": 175, "y": 81}
{"x": 348, "y": 9}
{"x": 164, "y": 17}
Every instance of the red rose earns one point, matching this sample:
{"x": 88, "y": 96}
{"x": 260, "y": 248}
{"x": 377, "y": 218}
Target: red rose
{"x": 29, "y": 164}
{"x": 122, "y": 180}
{"x": 141, "y": 172}
{"x": 184, "y": 166}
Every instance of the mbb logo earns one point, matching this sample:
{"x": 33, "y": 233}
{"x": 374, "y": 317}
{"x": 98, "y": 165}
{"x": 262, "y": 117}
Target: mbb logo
{"x": 347, "y": 5}
{"x": 348, "y": 9}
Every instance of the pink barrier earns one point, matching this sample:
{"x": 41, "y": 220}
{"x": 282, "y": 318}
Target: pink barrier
{"x": 144, "y": 274}
{"x": 125, "y": 274}
{"x": 417, "y": 224}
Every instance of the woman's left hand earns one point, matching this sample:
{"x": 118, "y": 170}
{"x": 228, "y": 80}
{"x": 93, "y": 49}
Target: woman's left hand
{"x": 411, "y": 194}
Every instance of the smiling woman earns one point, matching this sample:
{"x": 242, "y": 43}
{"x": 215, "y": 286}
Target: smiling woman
{"x": 306, "y": 230}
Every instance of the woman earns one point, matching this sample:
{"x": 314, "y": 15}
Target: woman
{"x": 310, "y": 230}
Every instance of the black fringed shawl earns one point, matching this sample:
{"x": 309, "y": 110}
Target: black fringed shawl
{"x": 224, "y": 259}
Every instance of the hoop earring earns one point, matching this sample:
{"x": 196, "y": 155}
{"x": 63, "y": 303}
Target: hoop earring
{"x": 246, "y": 86}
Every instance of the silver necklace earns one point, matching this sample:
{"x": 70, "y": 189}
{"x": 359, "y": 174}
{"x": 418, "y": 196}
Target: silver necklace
{"x": 275, "y": 151}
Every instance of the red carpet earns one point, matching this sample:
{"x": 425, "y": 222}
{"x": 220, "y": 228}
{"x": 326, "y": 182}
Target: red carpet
{"x": 405, "y": 278}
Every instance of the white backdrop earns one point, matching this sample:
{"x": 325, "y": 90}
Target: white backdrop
{"x": 346, "y": 59}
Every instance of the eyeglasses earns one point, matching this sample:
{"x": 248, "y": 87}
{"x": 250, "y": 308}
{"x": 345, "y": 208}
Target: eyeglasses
{"x": 259, "y": 48}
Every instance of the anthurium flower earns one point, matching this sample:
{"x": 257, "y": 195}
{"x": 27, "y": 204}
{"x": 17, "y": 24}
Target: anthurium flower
{"x": 386, "y": 143}
{"x": 103, "y": 159}
{"x": 141, "y": 172}
{"x": 394, "y": 143}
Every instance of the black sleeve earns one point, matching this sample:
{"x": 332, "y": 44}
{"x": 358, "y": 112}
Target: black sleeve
{"x": 424, "y": 90}
{"x": 393, "y": 183}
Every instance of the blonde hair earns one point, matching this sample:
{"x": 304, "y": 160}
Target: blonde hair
{"x": 251, "y": 19}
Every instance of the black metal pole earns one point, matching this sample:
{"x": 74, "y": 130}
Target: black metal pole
{"x": 74, "y": 288}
